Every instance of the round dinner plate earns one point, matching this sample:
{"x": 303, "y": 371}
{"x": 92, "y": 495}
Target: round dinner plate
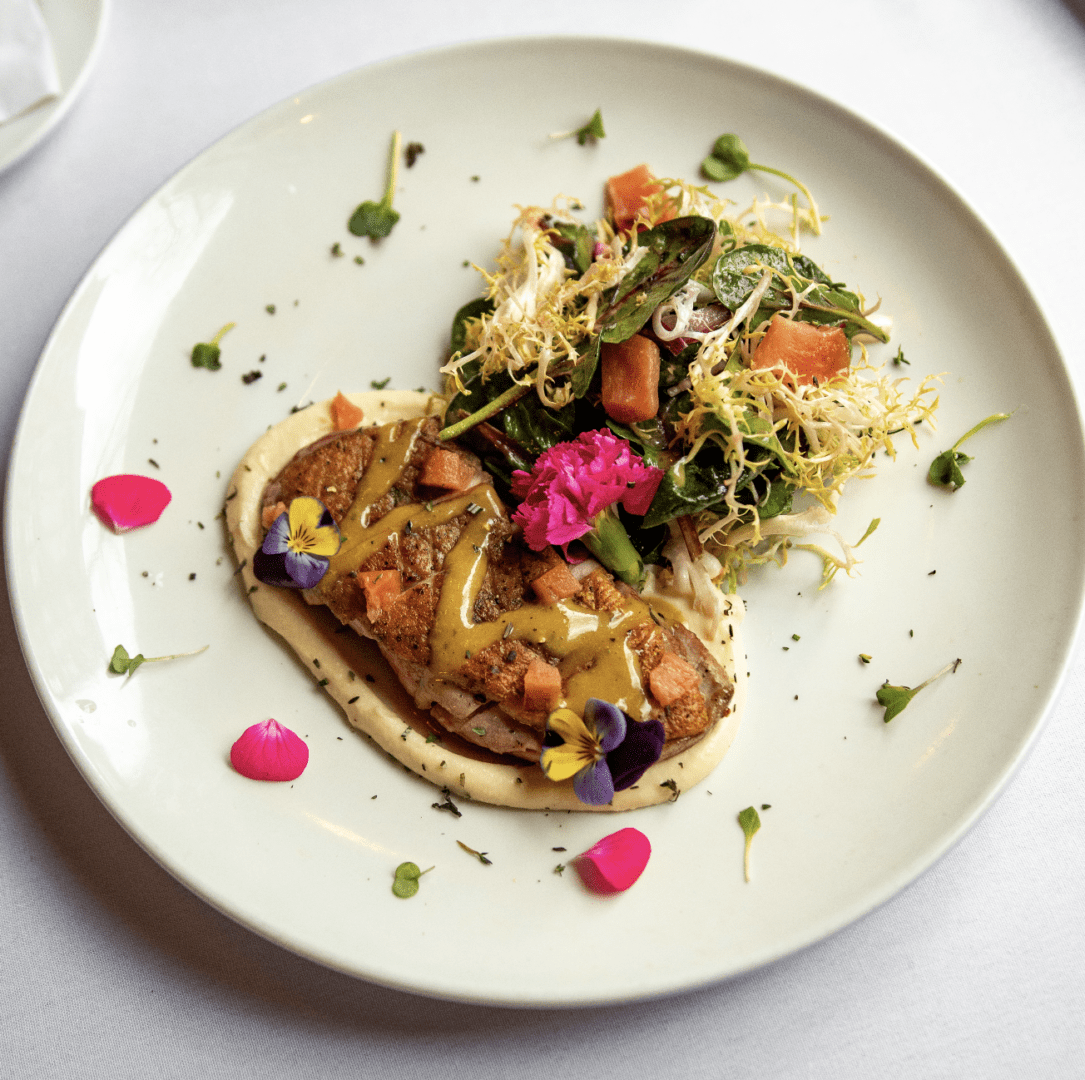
{"x": 854, "y": 808}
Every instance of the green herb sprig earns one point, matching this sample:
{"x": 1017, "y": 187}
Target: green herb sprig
{"x": 123, "y": 664}
{"x": 206, "y": 354}
{"x": 750, "y": 821}
{"x": 730, "y": 158}
{"x": 945, "y": 470}
{"x": 405, "y": 883}
{"x": 895, "y": 699}
{"x": 592, "y": 130}
{"x": 376, "y": 219}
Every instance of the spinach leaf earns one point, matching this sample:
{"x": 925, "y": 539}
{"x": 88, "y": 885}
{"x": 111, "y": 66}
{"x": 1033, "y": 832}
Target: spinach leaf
{"x": 700, "y": 486}
{"x": 675, "y": 250}
{"x": 649, "y": 543}
{"x": 825, "y": 303}
{"x": 574, "y": 242}
{"x": 647, "y": 436}
{"x": 778, "y": 500}
{"x": 537, "y": 428}
{"x": 581, "y": 377}
{"x": 471, "y": 310}
{"x": 755, "y": 431}
{"x": 733, "y": 286}
{"x": 476, "y": 393}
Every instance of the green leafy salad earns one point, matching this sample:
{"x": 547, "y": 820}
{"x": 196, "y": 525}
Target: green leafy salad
{"x": 699, "y": 332}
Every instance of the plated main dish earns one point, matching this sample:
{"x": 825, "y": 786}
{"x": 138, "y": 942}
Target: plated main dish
{"x": 637, "y": 411}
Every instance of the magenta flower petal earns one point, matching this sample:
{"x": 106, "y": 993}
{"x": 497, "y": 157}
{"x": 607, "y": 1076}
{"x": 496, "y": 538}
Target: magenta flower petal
{"x": 128, "y": 501}
{"x": 571, "y": 483}
{"x": 269, "y": 751}
{"x": 615, "y": 862}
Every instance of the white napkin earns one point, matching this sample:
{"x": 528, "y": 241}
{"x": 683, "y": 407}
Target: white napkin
{"x": 28, "y": 69}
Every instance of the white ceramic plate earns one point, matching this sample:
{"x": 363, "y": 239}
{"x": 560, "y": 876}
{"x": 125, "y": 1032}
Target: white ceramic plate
{"x": 77, "y": 29}
{"x": 992, "y": 574}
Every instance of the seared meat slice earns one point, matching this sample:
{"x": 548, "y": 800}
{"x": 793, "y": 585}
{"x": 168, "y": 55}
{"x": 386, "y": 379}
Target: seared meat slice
{"x": 706, "y": 703}
{"x": 328, "y": 470}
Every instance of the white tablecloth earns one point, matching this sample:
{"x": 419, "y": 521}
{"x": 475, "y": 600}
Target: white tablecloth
{"x": 112, "y": 969}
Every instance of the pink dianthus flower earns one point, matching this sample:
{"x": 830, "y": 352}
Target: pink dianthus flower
{"x": 573, "y": 482}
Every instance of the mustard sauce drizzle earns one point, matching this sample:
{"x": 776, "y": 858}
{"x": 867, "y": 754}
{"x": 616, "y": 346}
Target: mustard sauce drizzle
{"x": 594, "y": 659}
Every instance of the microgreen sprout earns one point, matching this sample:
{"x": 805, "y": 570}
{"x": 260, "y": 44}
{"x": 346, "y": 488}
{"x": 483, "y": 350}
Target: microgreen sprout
{"x": 206, "y": 353}
{"x": 592, "y": 130}
{"x": 405, "y": 883}
{"x": 730, "y": 158}
{"x": 480, "y": 855}
{"x": 896, "y": 698}
{"x": 945, "y": 470}
{"x": 750, "y": 821}
{"x": 123, "y": 664}
{"x": 374, "y": 219}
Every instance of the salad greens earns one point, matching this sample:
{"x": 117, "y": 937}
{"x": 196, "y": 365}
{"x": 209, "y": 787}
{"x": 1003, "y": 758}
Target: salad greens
{"x": 754, "y": 457}
{"x": 820, "y": 301}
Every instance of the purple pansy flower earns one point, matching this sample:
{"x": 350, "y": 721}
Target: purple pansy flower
{"x": 604, "y": 751}
{"x": 298, "y": 545}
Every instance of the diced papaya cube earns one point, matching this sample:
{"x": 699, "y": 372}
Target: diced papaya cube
{"x": 542, "y": 686}
{"x": 630, "y": 372}
{"x": 381, "y": 587}
{"x": 809, "y": 352}
{"x": 448, "y": 470}
{"x": 346, "y": 416}
{"x": 269, "y": 514}
{"x": 627, "y": 194}
{"x": 672, "y": 678}
{"x": 556, "y": 584}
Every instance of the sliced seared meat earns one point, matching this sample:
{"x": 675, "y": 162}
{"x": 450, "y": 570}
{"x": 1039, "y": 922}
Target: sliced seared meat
{"x": 438, "y": 576}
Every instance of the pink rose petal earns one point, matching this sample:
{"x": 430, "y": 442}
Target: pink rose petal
{"x": 128, "y": 501}
{"x": 615, "y": 862}
{"x": 269, "y": 751}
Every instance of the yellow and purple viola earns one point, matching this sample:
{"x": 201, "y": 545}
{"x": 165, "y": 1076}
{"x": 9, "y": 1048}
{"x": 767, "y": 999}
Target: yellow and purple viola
{"x": 603, "y": 751}
{"x": 298, "y": 545}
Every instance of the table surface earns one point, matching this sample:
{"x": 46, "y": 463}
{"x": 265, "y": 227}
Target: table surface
{"x": 112, "y": 969}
